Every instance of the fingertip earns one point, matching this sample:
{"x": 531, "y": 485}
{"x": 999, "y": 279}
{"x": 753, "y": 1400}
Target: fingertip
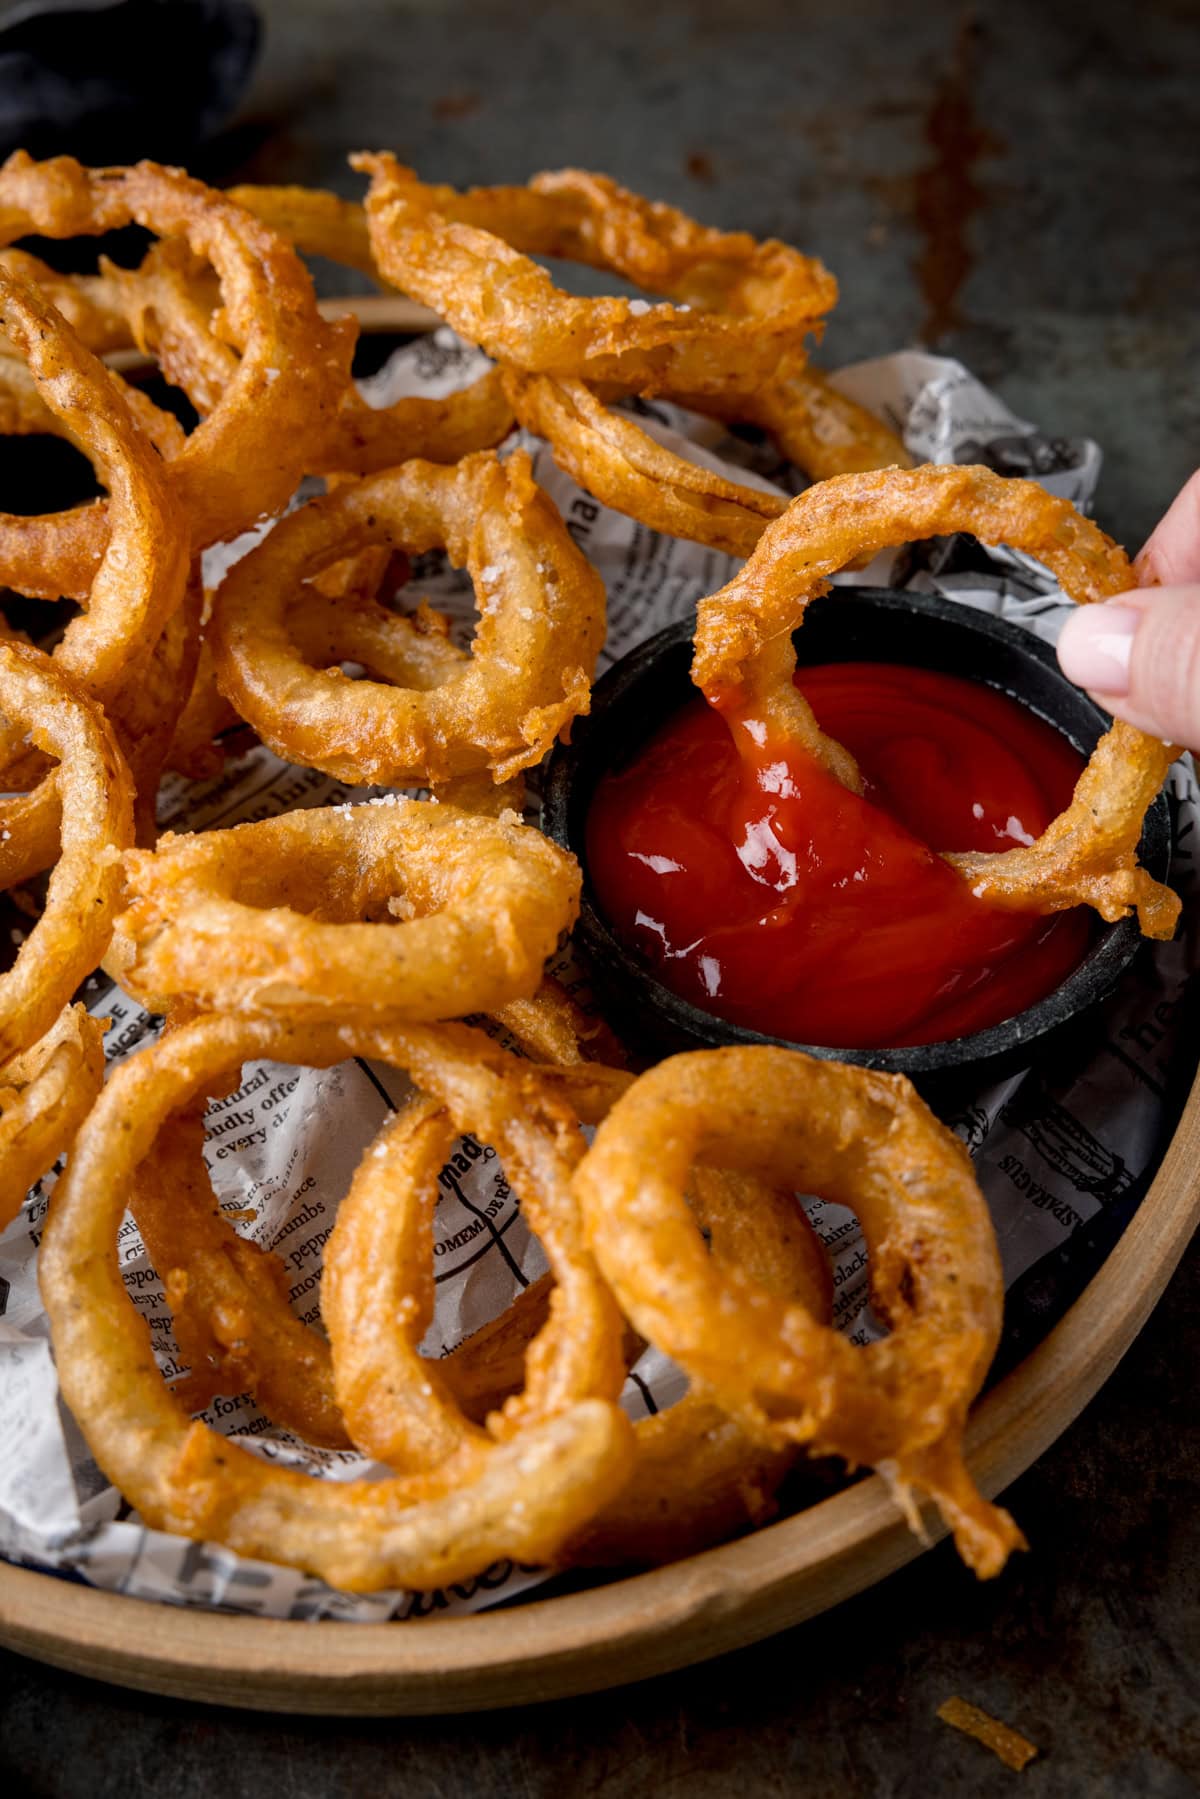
{"x": 1095, "y": 646}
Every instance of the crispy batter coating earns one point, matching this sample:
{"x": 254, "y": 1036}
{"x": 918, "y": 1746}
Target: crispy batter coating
{"x": 393, "y": 909}
{"x": 248, "y": 455}
{"x": 626, "y": 469}
{"x": 45, "y": 1094}
{"x": 541, "y": 625}
{"x": 736, "y": 303}
{"x": 95, "y": 793}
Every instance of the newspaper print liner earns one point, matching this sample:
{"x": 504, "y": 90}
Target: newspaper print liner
{"x": 1063, "y": 1155}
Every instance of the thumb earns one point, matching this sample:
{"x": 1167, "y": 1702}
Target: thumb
{"x": 1139, "y": 656}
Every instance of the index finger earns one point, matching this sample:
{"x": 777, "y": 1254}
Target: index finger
{"x": 1170, "y": 556}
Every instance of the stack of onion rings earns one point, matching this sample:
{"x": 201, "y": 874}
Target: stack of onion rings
{"x": 290, "y": 369}
{"x": 369, "y": 930}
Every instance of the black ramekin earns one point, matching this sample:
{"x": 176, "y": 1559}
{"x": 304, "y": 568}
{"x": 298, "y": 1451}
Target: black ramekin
{"x": 872, "y": 624}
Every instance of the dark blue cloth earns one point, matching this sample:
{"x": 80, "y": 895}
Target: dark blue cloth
{"x": 114, "y": 80}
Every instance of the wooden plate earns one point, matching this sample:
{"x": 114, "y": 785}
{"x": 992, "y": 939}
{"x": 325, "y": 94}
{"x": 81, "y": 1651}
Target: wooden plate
{"x": 646, "y": 1624}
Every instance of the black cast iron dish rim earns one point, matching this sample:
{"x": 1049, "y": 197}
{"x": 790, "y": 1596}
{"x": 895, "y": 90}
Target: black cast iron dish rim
{"x": 641, "y": 691}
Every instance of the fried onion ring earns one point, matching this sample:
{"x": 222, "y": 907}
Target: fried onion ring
{"x": 292, "y": 365}
{"x": 623, "y": 467}
{"x": 528, "y": 1496}
{"x": 699, "y": 1475}
{"x": 858, "y": 1138}
{"x": 275, "y": 915}
{"x": 234, "y": 1325}
{"x": 95, "y": 793}
{"x": 45, "y": 1094}
{"x": 165, "y": 304}
{"x": 744, "y": 662}
{"x": 819, "y": 429}
{"x": 541, "y": 626}
{"x": 138, "y": 581}
{"x": 377, "y": 1289}
{"x": 142, "y": 716}
{"x": 230, "y": 1297}
{"x": 738, "y": 304}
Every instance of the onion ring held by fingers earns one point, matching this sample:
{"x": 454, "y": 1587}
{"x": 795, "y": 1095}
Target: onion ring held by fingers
{"x": 861, "y": 1139}
{"x": 378, "y": 1291}
{"x": 744, "y": 663}
{"x": 95, "y": 794}
{"x": 528, "y": 1496}
{"x": 541, "y": 625}
{"x": 45, "y": 1094}
{"x": 623, "y": 467}
{"x": 291, "y": 366}
{"x": 277, "y": 914}
{"x": 738, "y": 304}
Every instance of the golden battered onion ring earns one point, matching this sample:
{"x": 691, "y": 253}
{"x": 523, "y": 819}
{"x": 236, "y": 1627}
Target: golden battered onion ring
{"x": 540, "y": 630}
{"x": 45, "y": 1094}
{"x": 699, "y": 1476}
{"x": 23, "y": 412}
{"x": 552, "y": 1028}
{"x": 171, "y": 304}
{"x": 744, "y": 663}
{"x": 233, "y": 1321}
{"x": 142, "y": 715}
{"x": 317, "y": 222}
{"x": 169, "y": 314}
{"x": 205, "y": 717}
{"x": 529, "y": 1496}
{"x": 274, "y": 916}
{"x": 623, "y": 467}
{"x": 292, "y": 364}
{"x": 91, "y": 304}
{"x": 138, "y": 581}
{"x": 377, "y": 1289}
{"x": 365, "y": 439}
{"x": 819, "y": 429}
{"x": 861, "y": 1139}
{"x": 738, "y": 304}
{"x": 95, "y": 793}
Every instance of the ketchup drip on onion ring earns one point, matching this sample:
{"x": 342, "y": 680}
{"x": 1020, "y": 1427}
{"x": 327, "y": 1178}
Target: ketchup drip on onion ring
{"x": 762, "y": 890}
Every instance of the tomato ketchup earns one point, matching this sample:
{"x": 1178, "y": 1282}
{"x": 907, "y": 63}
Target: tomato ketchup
{"x": 761, "y": 890}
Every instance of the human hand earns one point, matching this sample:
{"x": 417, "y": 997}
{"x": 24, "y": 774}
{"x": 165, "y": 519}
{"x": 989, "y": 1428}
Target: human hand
{"x": 1139, "y": 653}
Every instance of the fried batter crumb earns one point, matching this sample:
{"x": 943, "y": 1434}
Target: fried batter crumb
{"x": 1013, "y": 1749}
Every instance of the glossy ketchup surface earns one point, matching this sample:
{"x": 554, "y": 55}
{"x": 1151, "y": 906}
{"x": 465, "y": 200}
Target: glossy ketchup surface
{"x": 766, "y": 893}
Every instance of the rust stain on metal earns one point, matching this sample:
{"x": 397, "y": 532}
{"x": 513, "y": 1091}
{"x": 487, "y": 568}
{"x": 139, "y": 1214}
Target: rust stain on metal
{"x": 457, "y": 105}
{"x": 946, "y": 193}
